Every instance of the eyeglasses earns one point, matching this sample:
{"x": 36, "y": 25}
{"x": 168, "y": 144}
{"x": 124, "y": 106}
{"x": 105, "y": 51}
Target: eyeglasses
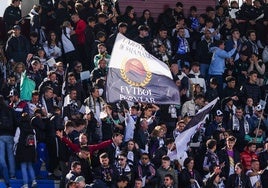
{"x": 120, "y": 159}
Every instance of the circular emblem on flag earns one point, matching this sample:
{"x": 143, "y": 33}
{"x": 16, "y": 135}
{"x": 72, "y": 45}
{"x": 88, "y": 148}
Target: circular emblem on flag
{"x": 135, "y": 72}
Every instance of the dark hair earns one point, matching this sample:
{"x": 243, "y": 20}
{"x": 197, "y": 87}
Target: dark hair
{"x": 193, "y": 8}
{"x": 35, "y": 92}
{"x": 75, "y": 164}
{"x": 69, "y": 123}
{"x": 234, "y": 30}
{"x": 179, "y": 4}
{"x": 169, "y": 141}
{"x": 249, "y": 32}
{"x": 128, "y": 9}
{"x": 187, "y": 161}
{"x": 210, "y": 8}
{"x": 169, "y": 176}
{"x": 211, "y": 143}
{"x": 104, "y": 156}
{"x": 91, "y": 19}
{"x": 165, "y": 158}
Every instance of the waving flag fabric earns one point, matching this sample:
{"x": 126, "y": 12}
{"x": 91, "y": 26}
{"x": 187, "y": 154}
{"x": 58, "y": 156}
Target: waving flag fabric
{"x": 136, "y": 75}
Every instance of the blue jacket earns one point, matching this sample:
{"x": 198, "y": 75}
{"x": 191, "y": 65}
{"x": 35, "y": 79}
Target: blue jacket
{"x": 217, "y": 65}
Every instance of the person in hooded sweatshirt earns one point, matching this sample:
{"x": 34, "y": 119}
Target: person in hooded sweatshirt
{"x": 25, "y": 150}
{"x": 217, "y": 66}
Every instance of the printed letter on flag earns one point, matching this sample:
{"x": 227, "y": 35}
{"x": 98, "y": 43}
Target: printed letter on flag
{"x": 137, "y": 76}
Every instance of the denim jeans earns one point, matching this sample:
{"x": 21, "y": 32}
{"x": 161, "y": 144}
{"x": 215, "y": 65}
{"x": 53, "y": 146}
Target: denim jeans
{"x": 41, "y": 157}
{"x": 6, "y": 145}
{"x": 27, "y": 167}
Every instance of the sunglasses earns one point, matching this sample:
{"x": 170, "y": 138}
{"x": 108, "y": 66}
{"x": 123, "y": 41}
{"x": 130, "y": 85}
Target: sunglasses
{"x": 120, "y": 159}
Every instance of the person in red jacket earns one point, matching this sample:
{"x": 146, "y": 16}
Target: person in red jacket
{"x": 248, "y": 154}
{"x": 83, "y": 141}
{"x": 79, "y": 31}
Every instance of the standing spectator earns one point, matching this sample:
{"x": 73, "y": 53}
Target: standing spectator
{"x": 251, "y": 46}
{"x": 35, "y": 22}
{"x": 248, "y": 155}
{"x": 229, "y": 156}
{"x": 143, "y": 37}
{"x": 80, "y": 27}
{"x": 25, "y": 152}
{"x": 17, "y": 46}
{"x": 68, "y": 43}
{"x": 40, "y": 127}
{"x": 166, "y": 169}
{"x": 251, "y": 89}
{"x": 211, "y": 159}
{"x": 181, "y": 48}
{"x": 147, "y": 19}
{"x": 74, "y": 172}
{"x": 203, "y": 54}
{"x": 196, "y": 77}
{"x": 130, "y": 19}
{"x": 191, "y": 107}
{"x": 141, "y": 136}
{"x": 52, "y": 46}
{"x": 168, "y": 181}
{"x": 106, "y": 172}
{"x": 123, "y": 168}
{"x": 7, "y": 128}
{"x": 238, "y": 178}
{"x": 239, "y": 126}
{"x": 257, "y": 65}
{"x": 12, "y": 15}
{"x": 217, "y": 66}
{"x": 122, "y": 29}
{"x": 189, "y": 177}
{"x": 162, "y": 39}
{"x": 217, "y": 125}
{"x": 254, "y": 174}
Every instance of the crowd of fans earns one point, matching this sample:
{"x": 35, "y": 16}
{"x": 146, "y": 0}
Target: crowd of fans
{"x": 68, "y": 126}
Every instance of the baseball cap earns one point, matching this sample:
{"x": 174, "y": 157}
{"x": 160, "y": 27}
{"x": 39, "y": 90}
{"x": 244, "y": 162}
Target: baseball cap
{"x": 13, "y": 92}
{"x": 219, "y": 113}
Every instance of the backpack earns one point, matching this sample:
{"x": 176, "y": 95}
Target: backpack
{"x": 30, "y": 140}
